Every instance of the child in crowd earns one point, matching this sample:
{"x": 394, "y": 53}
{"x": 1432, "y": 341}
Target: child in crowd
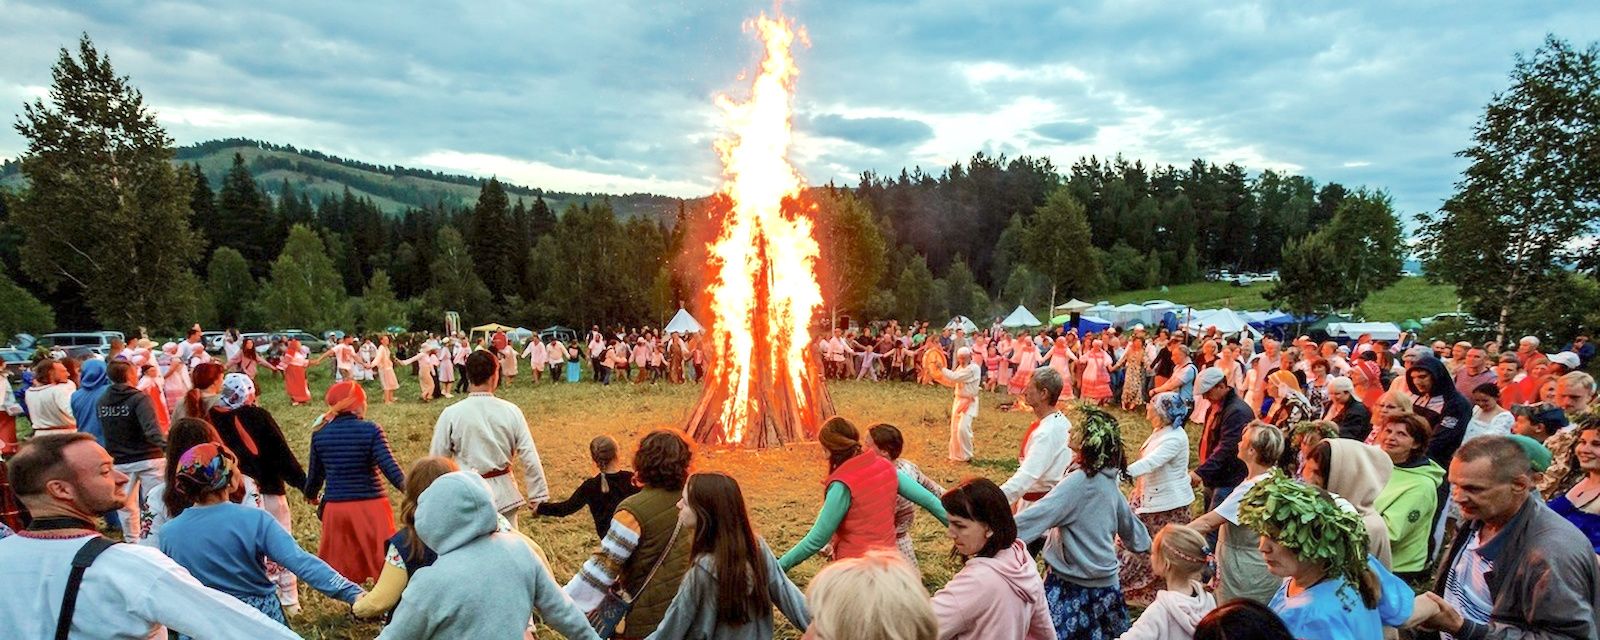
{"x": 601, "y": 493}
{"x": 887, "y": 440}
{"x": 1180, "y": 555}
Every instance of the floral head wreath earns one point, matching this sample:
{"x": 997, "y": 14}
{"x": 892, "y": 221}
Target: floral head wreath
{"x": 1308, "y": 522}
{"x": 1102, "y": 439}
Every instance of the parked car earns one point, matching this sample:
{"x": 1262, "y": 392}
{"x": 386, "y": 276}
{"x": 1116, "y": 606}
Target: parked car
{"x": 212, "y": 340}
{"x": 15, "y": 361}
{"x": 306, "y": 338}
{"x": 96, "y": 342}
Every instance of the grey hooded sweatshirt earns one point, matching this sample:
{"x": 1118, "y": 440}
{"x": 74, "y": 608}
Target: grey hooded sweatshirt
{"x": 485, "y": 584}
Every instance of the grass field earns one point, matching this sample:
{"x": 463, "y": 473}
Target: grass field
{"x": 783, "y": 486}
{"x": 1408, "y": 298}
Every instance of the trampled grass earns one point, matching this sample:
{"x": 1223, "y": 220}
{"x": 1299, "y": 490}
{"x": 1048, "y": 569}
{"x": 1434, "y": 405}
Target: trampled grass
{"x": 783, "y": 487}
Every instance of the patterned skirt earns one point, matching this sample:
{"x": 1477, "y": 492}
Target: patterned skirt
{"x": 1085, "y": 613}
{"x": 1139, "y": 582}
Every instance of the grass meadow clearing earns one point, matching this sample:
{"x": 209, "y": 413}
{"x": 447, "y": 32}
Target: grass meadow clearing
{"x": 1411, "y": 298}
{"x": 783, "y": 487}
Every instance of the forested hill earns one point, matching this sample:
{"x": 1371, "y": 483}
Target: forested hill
{"x": 392, "y": 187}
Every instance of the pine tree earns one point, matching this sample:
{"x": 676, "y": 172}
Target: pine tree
{"x": 541, "y": 217}
{"x": 914, "y": 292}
{"x": 852, "y": 252}
{"x": 103, "y": 196}
{"x": 245, "y": 218}
{"x": 203, "y": 208}
{"x": 490, "y": 238}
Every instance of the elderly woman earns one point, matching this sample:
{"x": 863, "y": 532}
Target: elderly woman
{"x": 1367, "y": 378}
{"x": 1162, "y": 493}
{"x": 1343, "y": 409}
{"x": 1409, "y": 500}
{"x": 1316, "y": 387}
{"x": 1289, "y": 404}
{"x": 1391, "y": 405}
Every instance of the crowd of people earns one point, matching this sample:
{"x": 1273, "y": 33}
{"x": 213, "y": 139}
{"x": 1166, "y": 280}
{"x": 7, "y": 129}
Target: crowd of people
{"x": 1330, "y": 478}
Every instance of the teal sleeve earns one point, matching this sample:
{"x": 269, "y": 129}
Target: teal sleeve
{"x": 912, "y": 490}
{"x": 834, "y": 506}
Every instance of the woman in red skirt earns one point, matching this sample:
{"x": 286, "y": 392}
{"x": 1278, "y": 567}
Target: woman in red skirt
{"x": 293, "y": 366}
{"x": 347, "y": 451}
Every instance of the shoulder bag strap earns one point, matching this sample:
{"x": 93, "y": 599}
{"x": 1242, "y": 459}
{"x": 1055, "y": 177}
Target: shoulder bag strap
{"x": 671, "y": 540}
{"x": 80, "y": 563}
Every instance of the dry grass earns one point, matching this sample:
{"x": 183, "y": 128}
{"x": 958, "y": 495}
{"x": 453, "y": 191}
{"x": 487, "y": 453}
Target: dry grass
{"x": 783, "y": 487}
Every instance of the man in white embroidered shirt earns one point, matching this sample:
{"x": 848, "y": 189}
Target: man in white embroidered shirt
{"x": 964, "y": 378}
{"x": 1044, "y": 457}
{"x": 483, "y": 432}
{"x": 129, "y": 591}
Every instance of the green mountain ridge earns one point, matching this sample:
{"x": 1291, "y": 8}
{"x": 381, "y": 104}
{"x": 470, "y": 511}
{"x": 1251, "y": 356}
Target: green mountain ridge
{"x": 393, "y": 188}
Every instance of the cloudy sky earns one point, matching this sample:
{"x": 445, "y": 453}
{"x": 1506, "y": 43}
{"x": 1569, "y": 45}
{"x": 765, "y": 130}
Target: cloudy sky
{"x": 616, "y": 96}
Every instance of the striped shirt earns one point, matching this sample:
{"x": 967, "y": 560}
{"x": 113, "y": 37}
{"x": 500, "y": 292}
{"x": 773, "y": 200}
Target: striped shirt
{"x": 1465, "y": 587}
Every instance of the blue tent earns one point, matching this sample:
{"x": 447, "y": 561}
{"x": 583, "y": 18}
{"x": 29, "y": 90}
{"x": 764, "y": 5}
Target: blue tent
{"x": 1092, "y": 324}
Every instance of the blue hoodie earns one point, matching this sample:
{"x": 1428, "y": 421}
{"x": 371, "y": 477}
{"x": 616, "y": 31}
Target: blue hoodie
{"x": 92, "y": 385}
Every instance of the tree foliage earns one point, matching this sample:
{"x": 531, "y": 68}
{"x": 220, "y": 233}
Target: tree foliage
{"x": 852, "y": 260}
{"x": 1057, "y": 246}
{"x": 305, "y": 291}
{"x": 232, "y": 288}
{"x": 102, "y": 195}
{"x": 1531, "y": 190}
{"x": 379, "y": 308}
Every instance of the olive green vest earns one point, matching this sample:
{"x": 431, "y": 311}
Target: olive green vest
{"x": 657, "y": 511}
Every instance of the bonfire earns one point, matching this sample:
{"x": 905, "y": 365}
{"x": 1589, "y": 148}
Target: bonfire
{"x": 763, "y": 385}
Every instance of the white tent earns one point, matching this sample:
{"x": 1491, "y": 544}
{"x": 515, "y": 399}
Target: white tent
{"x": 1072, "y": 306}
{"x": 683, "y": 323}
{"x": 1101, "y": 309}
{"x": 1124, "y": 315}
{"x": 1225, "y": 320}
{"x": 1020, "y": 318}
{"x": 1378, "y": 330}
{"x": 963, "y": 323}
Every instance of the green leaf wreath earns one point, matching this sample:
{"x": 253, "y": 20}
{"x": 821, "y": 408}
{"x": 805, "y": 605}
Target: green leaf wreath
{"x": 1102, "y": 440}
{"x": 1309, "y": 523}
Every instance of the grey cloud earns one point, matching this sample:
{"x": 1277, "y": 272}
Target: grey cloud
{"x": 882, "y": 133}
{"x": 1066, "y": 131}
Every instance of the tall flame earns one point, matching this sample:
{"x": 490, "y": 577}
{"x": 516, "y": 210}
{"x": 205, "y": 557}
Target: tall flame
{"x": 764, "y": 290}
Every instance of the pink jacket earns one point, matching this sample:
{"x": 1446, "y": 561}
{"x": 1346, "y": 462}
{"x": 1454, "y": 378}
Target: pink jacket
{"x": 999, "y": 598}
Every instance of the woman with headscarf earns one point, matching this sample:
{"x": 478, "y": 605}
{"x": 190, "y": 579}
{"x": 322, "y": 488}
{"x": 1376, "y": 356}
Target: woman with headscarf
{"x": 1356, "y": 473}
{"x": 228, "y": 546}
{"x": 348, "y": 453}
{"x": 1097, "y": 372}
{"x": 293, "y": 365}
{"x": 859, "y": 502}
{"x": 1162, "y": 493}
{"x": 1367, "y": 380}
{"x": 1081, "y": 520}
{"x": 264, "y": 456}
{"x": 1289, "y": 404}
{"x": 1024, "y": 359}
{"x": 1061, "y": 358}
